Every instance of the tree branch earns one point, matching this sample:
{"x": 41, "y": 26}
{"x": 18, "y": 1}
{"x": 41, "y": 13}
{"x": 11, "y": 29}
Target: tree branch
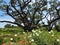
{"x": 17, "y": 10}
{"x": 26, "y": 4}
{"x": 57, "y": 11}
{"x": 19, "y": 4}
{"x": 40, "y": 19}
{"x": 12, "y": 23}
{"x": 38, "y": 8}
{"x": 7, "y": 10}
{"x": 53, "y": 20}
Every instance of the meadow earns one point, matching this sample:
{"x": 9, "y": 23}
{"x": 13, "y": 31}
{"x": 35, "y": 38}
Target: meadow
{"x": 16, "y": 36}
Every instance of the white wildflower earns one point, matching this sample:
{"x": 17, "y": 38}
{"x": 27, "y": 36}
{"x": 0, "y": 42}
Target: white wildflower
{"x": 11, "y": 38}
{"x": 33, "y": 31}
{"x": 49, "y": 32}
{"x": 33, "y": 34}
{"x": 40, "y": 32}
{"x": 32, "y": 40}
{"x": 52, "y": 31}
{"x": 15, "y": 35}
{"x": 52, "y": 35}
{"x": 37, "y": 34}
{"x": 58, "y": 40}
{"x": 23, "y": 32}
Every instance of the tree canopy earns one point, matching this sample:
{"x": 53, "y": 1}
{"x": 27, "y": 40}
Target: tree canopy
{"x": 32, "y": 13}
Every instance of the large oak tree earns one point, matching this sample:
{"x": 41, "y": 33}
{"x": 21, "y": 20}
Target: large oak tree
{"x": 32, "y": 13}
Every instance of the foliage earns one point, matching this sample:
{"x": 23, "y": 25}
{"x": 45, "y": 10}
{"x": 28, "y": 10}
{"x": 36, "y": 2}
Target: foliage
{"x": 36, "y": 37}
{"x": 10, "y": 26}
{"x": 7, "y": 26}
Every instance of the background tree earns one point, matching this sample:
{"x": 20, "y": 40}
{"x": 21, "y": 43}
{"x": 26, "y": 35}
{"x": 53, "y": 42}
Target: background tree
{"x": 10, "y": 26}
{"x": 7, "y": 26}
{"x": 32, "y": 13}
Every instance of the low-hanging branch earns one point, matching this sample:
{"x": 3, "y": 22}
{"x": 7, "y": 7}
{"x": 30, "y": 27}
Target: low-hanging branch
{"x": 12, "y": 23}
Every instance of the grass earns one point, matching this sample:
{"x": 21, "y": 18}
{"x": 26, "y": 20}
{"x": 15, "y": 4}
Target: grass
{"x": 36, "y": 37}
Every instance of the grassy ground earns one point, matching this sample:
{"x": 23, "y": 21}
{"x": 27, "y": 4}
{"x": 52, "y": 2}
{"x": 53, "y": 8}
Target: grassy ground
{"x": 16, "y": 36}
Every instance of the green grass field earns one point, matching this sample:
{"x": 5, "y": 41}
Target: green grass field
{"x": 16, "y": 36}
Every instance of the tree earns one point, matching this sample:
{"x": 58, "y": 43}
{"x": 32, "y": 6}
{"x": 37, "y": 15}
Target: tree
{"x": 10, "y": 26}
{"x": 32, "y": 14}
{"x": 7, "y": 26}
